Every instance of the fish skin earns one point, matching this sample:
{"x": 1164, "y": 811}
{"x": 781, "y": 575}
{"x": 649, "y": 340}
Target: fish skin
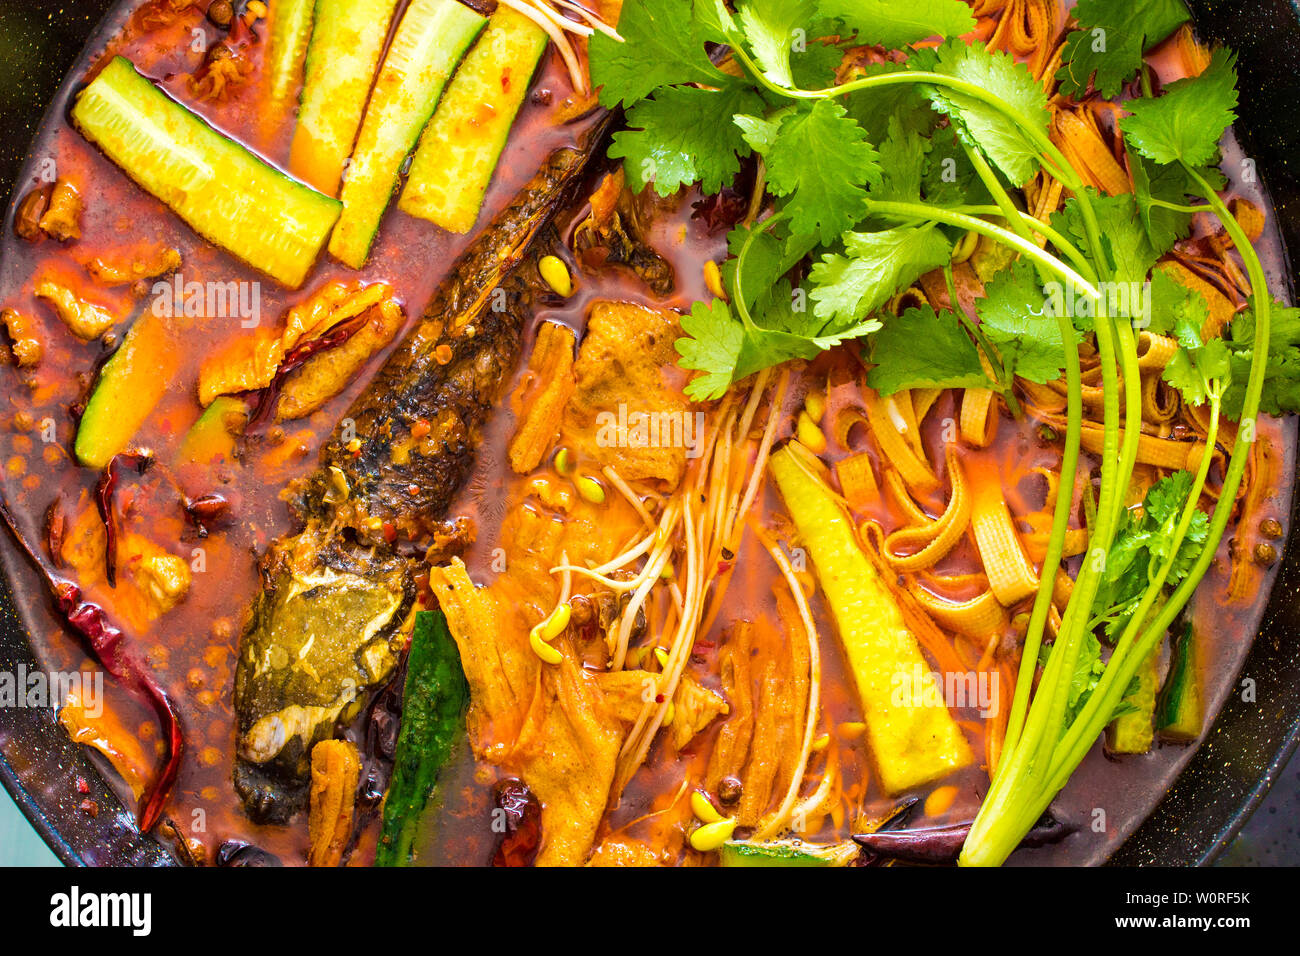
{"x": 450, "y": 370}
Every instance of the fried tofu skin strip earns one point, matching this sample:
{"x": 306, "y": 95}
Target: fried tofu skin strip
{"x": 551, "y": 368}
{"x": 335, "y": 772}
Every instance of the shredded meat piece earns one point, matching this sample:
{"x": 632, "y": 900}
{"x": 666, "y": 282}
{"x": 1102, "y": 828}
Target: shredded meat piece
{"x": 88, "y": 722}
{"x": 62, "y": 219}
{"x": 328, "y": 373}
{"x": 26, "y": 346}
{"x": 252, "y": 362}
{"x": 27, "y": 218}
{"x": 86, "y": 320}
{"x": 141, "y": 265}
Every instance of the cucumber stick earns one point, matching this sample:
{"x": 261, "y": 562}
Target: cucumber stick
{"x": 430, "y": 41}
{"x": 290, "y": 31}
{"x": 228, "y": 195}
{"x": 434, "y": 700}
{"x": 1180, "y": 712}
{"x": 462, "y": 144}
{"x": 1132, "y": 731}
{"x": 213, "y": 437}
{"x": 130, "y": 384}
{"x": 787, "y": 853}
{"x": 347, "y": 40}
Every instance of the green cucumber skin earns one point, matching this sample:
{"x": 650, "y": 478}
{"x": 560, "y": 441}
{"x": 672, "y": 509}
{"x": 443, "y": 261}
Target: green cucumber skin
{"x": 291, "y": 28}
{"x": 434, "y": 701}
{"x": 455, "y": 177}
{"x": 756, "y": 855}
{"x": 392, "y": 127}
{"x": 1180, "y": 716}
{"x": 222, "y": 190}
{"x": 343, "y": 55}
{"x": 93, "y": 446}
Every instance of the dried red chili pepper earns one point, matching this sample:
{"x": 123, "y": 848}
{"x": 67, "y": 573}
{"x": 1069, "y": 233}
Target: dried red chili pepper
{"x": 521, "y": 814}
{"x": 104, "y": 500}
{"x": 295, "y": 358}
{"x": 106, "y": 644}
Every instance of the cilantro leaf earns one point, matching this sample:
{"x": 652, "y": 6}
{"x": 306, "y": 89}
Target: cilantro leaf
{"x": 924, "y": 349}
{"x": 1128, "y": 253}
{"x": 769, "y": 26}
{"x": 711, "y": 345}
{"x": 874, "y": 109}
{"x": 713, "y": 21}
{"x": 949, "y": 178}
{"x": 895, "y": 25}
{"x": 821, "y": 161}
{"x": 664, "y": 47}
{"x": 772, "y": 253}
{"x": 814, "y": 63}
{"x": 1169, "y": 184}
{"x": 1142, "y": 545}
{"x": 1198, "y": 366}
{"x": 1113, "y": 36}
{"x": 1192, "y": 370}
{"x": 1188, "y": 120}
{"x": 720, "y": 344}
{"x": 1178, "y": 309}
{"x": 1281, "y": 393}
{"x": 685, "y": 135}
{"x": 903, "y": 161}
{"x": 877, "y": 264}
{"x": 1013, "y": 317}
{"x": 1005, "y": 143}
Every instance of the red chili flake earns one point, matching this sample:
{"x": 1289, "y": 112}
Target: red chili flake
{"x": 724, "y": 566}
{"x": 659, "y": 698}
{"x": 82, "y": 785}
{"x": 89, "y": 807}
{"x": 412, "y": 490}
{"x": 390, "y": 532}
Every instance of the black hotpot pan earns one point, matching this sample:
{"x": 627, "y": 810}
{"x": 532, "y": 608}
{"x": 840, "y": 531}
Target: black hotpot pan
{"x": 1247, "y": 747}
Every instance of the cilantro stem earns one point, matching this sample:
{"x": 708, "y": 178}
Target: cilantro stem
{"x": 742, "y": 309}
{"x": 1115, "y": 673}
{"x": 1069, "y": 468}
{"x": 1179, "y": 207}
{"x": 1016, "y": 799}
{"x": 1030, "y": 250}
{"x": 1053, "y": 160}
{"x": 1233, "y": 475}
{"x": 756, "y": 197}
{"x": 1063, "y": 245}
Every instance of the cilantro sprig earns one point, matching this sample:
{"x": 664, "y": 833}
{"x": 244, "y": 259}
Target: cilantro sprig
{"x": 690, "y": 122}
{"x": 1113, "y": 35}
{"x": 1175, "y": 135}
{"x": 859, "y": 181}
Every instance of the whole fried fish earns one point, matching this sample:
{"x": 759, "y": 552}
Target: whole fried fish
{"x": 324, "y": 628}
